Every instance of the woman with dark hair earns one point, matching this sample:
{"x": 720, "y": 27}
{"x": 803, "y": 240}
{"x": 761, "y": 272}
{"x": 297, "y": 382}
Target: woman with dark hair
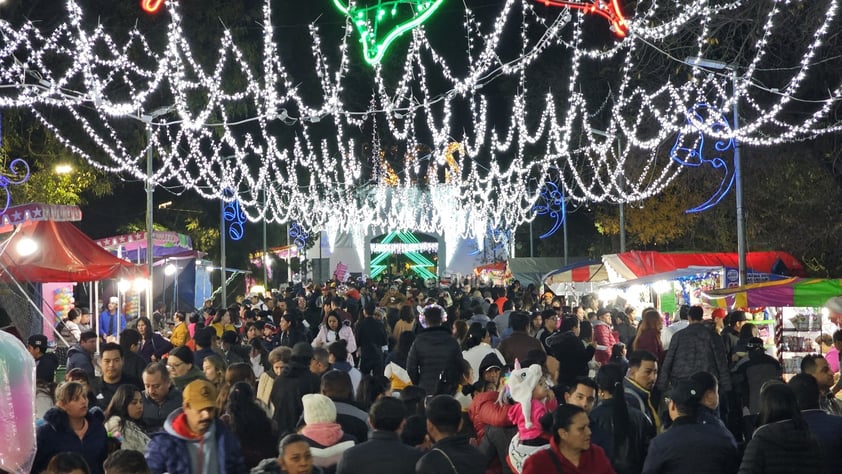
{"x": 586, "y": 332}
{"x": 649, "y": 334}
{"x": 395, "y": 369}
{"x": 79, "y": 375}
{"x": 248, "y": 421}
{"x": 405, "y": 322}
{"x": 372, "y": 388}
{"x": 289, "y": 334}
{"x": 222, "y": 322}
{"x": 214, "y": 367}
{"x": 338, "y": 358}
{"x": 152, "y": 345}
{"x": 477, "y": 346}
{"x": 708, "y": 385}
{"x": 67, "y": 463}
{"x": 123, "y": 415}
{"x": 782, "y": 443}
{"x": 294, "y": 457}
{"x": 71, "y": 427}
{"x": 460, "y": 331}
{"x": 333, "y": 330}
{"x": 571, "y": 450}
{"x": 623, "y": 432}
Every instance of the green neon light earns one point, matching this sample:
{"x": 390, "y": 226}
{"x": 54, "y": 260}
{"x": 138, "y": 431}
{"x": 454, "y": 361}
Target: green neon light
{"x": 421, "y": 262}
{"x": 371, "y": 20}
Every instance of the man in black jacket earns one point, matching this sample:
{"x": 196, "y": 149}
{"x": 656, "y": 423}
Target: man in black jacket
{"x": 371, "y": 339}
{"x": 568, "y": 349}
{"x": 383, "y": 453}
{"x": 295, "y": 381}
{"x": 451, "y": 452}
{"x": 434, "y": 362}
{"x": 46, "y": 363}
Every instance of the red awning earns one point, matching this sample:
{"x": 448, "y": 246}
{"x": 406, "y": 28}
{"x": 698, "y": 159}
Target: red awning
{"x": 636, "y": 264}
{"x": 64, "y": 253}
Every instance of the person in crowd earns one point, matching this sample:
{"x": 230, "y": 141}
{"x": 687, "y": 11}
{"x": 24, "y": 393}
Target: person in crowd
{"x": 85, "y": 319}
{"x": 279, "y": 357}
{"x": 395, "y": 369}
{"x": 393, "y": 299}
{"x": 294, "y": 457}
{"x": 372, "y": 340}
{"x": 582, "y": 393}
{"x": 638, "y": 384}
{"x": 477, "y": 348}
{"x": 46, "y": 363}
{"x": 160, "y": 397}
{"x": 519, "y": 343}
{"x": 383, "y": 453}
{"x": 181, "y": 368}
{"x": 72, "y": 324}
{"x": 153, "y": 346}
{"x": 249, "y": 423}
{"x": 290, "y": 333}
{"x": 571, "y": 450}
{"x": 81, "y": 355}
{"x": 238, "y": 372}
{"x": 222, "y": 322}
{"x": 295, "y": 381}
{"x": 126, "y": 462}
{"x": 111, "y": 320}
{"x": 827, "y": 429}
{"x": 205, "y": 341}
{"x": 112, "y": 374}
{"x": 231, "y": 350}
{"x": 258, "y": 357}
{"x": 320, "y": 362}
{"x": 536, "y": 323}
{"x": 747, "y": 332}
{"x": 460, "y": 331}
{"x": 533, "y": 399}
{"x": 689, "y": 444}
{"x": 434, "y": 361}
{"x": 67, "y": 462}
{"x": 133, "y": 363}
{"x": 204, "y": 444}
{"x": 70, "y": 426}
{"x": 782, "y": 443}
{"x": 333, "y": 330}
{"x": 44, "y": 398}
{"x": 622, "y": 431}
{"x": 372, "y": 388}
{"x": 123, "y": 415}
{"x": 648, "y": 336}
{"x": 405, "y": 322}
{"x": 624, "y": 324}
{"x": 618, "y": 357}
{"x": 213, "y": 368}
{"x": 676, "y": 326}
{"x": 325, "y": 435}
{"x": 832, "y": 355}
{"x": 180, "y": 333}
{"x": 549, "y": 326}
{"x": 451, "y": 452}
{"x": 79, "y": 375}
{"x": 566, "y": 346}
{"x": 816, "y": 365}
{"x": 695, "y": 349}
{"x": 604, "y": 335}
{"x": 748, "y": 376}
{"x": 338, "y": 358}
{"x": 731, "y": 334}
{"x": 337, "y": 386}
{"x": 708, "y": 387}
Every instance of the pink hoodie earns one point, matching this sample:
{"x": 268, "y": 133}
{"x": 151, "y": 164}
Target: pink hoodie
{"x": 539, "y": 408}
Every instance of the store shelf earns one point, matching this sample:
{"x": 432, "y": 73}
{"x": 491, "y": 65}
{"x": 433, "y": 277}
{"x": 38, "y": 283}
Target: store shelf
{"x": 761, "y": 321}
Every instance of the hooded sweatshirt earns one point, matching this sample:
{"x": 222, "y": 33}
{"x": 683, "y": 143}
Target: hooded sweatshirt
{"x": 782, "y": 447}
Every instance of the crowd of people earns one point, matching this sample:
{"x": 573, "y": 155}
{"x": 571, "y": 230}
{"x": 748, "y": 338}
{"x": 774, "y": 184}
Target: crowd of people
{"x": 400, "y": 378}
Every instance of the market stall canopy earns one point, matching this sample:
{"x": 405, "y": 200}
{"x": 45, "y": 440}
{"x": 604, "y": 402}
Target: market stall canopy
{"x": 636, "y": 264}
{"x": 36, "y": 211}
{"x": 579, "y": 272}
{"x": 795, "y": 292}
{"x": 691, "y": 271}
{"x": 64, "y": 254}
{"x": 531, "y": 270}
{"x": 133, "y": 246}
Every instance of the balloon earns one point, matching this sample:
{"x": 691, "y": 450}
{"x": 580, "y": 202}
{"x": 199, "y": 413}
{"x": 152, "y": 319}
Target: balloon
{"x": 17, "y": 405}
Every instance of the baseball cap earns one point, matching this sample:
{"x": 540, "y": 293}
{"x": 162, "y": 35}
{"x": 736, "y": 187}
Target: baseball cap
{"x": 38, "y": 340}
{"x": 718, "y": 313}
{"x": 200, "y": 395}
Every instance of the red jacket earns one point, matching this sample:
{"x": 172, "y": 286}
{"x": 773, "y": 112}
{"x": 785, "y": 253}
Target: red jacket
{"x": 650, "y": 340}
{"x": 605, "y": 339}
{"x": 484, "y": 410}
{"x": 593, "y": 461}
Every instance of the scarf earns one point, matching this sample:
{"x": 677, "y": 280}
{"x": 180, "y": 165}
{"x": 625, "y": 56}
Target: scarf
{"x": 326, "y": 434}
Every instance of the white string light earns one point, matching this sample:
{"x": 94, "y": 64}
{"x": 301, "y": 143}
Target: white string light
{"x": 473, "y": 174}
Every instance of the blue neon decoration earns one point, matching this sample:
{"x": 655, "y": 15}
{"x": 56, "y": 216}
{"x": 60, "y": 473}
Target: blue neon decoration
{"x": 694, "y": 157}
{"x": 233, "y": 213}
{"x": 551, "y": 203}
{"x": 18, "y": 166}
{"x": 298, "y": 235}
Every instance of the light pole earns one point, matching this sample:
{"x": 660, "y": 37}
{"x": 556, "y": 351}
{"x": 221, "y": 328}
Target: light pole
{"x": 738, "y": 175}
{"x": 147, "y": 119}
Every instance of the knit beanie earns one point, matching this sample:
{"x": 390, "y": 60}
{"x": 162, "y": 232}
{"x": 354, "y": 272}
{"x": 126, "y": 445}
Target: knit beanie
{"x": 183, "y": 353}
{"x": 318, "y": 409}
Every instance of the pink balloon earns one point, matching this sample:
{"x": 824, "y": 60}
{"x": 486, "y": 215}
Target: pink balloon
{"x": 17, "y": 405}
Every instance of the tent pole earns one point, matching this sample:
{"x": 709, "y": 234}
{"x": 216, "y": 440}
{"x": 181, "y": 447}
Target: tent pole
{"x": 37, "y": 309}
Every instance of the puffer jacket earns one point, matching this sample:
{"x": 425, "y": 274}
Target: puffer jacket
{"x": 78, "y": 358}
{"x": 485, "y": 410}
{"x": 627, "y": 458}
{"x": 56, "y": 436}
{"x": 782, "y": 447}
{"x": 694, "y": 349}
{"x": 435, "y": 361}
{"x": 171, "y": 452}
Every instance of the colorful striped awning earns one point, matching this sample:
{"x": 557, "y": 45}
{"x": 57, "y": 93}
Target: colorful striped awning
{"x": 793, "y": 292}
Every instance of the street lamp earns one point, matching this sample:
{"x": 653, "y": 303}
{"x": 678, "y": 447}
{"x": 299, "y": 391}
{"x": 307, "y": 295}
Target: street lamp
{"x": 738, "y": 180}
{"x": 147, "y": 119}
{"x": 63, "y": 169}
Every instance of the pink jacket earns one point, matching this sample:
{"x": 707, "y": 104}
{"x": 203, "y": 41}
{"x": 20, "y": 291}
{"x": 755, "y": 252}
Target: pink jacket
{"x": 605, "y": 339}
{"x": 539, "y": 408}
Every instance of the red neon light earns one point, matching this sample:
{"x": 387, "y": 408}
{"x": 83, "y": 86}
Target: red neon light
{"x": 151, "y": 6}
{"x": 609, "y": 11}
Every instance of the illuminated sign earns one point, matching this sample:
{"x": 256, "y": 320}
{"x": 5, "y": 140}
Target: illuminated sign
{"x": 608, "y": 9}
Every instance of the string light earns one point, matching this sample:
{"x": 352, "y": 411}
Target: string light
{"x": 467, "y": 155}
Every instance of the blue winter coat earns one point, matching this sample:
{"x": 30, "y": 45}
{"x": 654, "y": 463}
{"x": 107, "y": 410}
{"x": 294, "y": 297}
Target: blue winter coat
{"x": 170, "y": 452}
{"x": 56, "y": 436}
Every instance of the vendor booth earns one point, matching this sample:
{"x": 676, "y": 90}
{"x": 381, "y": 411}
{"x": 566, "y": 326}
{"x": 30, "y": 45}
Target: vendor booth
{"x": 576, "y": 279}
{"x": 790, "y": 308}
